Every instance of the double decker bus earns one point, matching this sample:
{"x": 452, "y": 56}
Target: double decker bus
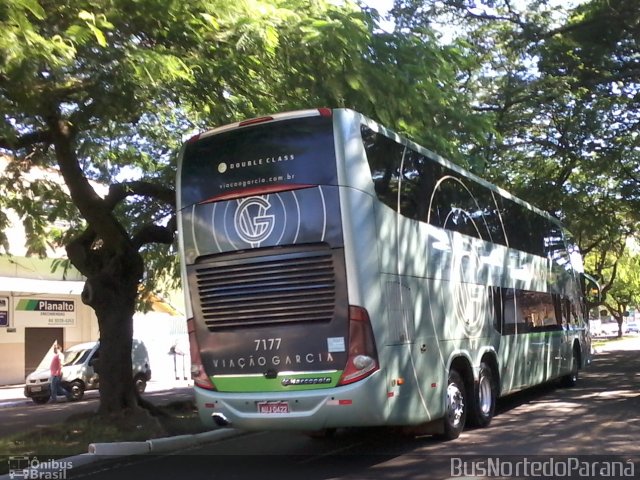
{"x": 339, "y": 275}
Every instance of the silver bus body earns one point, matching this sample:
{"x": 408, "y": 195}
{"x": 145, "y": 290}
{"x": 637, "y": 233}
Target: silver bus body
{"x": 437, "y": 299}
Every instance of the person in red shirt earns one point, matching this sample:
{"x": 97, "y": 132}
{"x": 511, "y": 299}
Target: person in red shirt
{"x": 56, "y": 377}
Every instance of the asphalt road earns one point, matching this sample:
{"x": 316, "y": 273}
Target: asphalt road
{"x": 586, "y": 429}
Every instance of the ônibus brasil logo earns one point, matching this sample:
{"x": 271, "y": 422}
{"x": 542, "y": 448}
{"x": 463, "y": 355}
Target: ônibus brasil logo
{"x": 252, "y": 223}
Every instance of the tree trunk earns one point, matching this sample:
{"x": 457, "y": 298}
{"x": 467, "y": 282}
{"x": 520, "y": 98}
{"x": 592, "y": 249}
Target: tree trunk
{"x": 108, "y": 257}
{"x": 112, "y": 293}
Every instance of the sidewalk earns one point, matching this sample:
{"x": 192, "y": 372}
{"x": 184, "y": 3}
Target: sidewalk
{"x": 627, "y": 342}
{"x": 12, "y": 395}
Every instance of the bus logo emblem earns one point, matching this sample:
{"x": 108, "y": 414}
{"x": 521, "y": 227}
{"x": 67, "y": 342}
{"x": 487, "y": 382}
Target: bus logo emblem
{"x": 252, "y": 223}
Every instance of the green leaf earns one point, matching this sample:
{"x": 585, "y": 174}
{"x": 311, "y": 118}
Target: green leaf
{"x": 34, "y": 7}
{"x": 102, "y": 41}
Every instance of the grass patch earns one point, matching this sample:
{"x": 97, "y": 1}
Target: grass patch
{"x": 181, "y": 419}
{"x": 600, "y": 342}
{"x": 74, "y": 435}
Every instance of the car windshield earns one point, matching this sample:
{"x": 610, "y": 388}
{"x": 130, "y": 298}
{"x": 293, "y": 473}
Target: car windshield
{"x": 74, "y": 357}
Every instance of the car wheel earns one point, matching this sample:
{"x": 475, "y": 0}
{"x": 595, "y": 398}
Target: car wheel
{"x": 76, "y": 389}
{"x": 140, "y": 383}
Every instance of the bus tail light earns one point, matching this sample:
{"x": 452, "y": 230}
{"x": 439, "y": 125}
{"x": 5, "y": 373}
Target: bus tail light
{"x": 199, "y": 376}
{"x": 363, "y": 356}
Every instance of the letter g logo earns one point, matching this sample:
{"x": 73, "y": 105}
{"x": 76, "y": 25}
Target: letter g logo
{"x": 251, "y": 221}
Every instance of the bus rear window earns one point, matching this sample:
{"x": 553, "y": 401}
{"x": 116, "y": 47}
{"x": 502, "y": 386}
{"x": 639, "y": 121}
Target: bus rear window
{"x": 289, "y": 152}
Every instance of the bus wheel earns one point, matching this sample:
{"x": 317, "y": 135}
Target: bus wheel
{"x": 483, "y": 405}
{"x": 571, "y": 378}
{"x": 455, "y": 408}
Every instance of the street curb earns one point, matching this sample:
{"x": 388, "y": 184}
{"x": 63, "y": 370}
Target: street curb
{"x": 160, "y": 445}
{"x": 170, "y": 444}
{"x": 118, "y": 448}
{"x": 102, "y": 451}
{"x": 13, "y": 403}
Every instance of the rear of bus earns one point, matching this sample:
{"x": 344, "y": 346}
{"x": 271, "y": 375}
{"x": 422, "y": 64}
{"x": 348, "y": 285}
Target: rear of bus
{"x": 277, "y": 340}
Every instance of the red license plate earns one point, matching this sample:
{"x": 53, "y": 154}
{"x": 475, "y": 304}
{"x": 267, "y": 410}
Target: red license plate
{"x": 273, "y": 407}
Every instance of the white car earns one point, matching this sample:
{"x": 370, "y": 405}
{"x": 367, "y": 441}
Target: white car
{"x": 78, "y": 372}
{"x": 631, "y": 327}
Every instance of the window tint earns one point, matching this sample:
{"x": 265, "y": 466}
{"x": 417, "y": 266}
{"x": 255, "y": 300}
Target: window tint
{"x": 513, "y": 320}
{"x": 538, "y": 310}
{"x": 75, "y": 357}
{"x": 433, "y": 193}
{"x": 523, "y": 311}
{"x": 384, "y": 156}
{"x": 299, "y": 150}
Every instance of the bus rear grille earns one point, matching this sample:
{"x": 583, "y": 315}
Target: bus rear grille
{"x": 267, "y": 290}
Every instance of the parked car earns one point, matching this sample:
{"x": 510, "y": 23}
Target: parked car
{"x": 631, "y": 327}
{"x": 79, "y": 372}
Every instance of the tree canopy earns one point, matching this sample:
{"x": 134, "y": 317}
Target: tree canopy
{"x": 560, "y": 84}
{"x": 103, "y": 92}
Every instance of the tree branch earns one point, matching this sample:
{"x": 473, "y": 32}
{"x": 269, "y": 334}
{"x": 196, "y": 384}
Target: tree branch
{"x": 92, "y": 207}
{"x": 26, "y": 140}
{"x": 79, "y": 251}
{"x": 153, "y": 234}
{"x": 119, "y": 191}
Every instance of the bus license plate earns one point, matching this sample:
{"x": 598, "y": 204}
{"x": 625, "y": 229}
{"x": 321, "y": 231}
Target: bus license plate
{"x": 273, "y": 407}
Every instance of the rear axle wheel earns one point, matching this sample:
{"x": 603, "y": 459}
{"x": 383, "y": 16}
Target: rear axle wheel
{"x": 455, "y": 408}
{"x": 483, "y": 406}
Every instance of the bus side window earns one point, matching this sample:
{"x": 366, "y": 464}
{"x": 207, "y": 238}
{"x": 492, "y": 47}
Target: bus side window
{"x": 575, "y": 318}
{"x": 384, "y": 156}
{"x": 510, "y": 312}
{"x": 498, "y": 317}
{"x": 541, "y": 311}
{"x": 561, "y": 305}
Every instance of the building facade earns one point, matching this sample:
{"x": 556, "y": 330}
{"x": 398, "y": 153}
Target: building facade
{"x": 38, "y": 306}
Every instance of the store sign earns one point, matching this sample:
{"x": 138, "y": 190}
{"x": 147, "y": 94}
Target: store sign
{"x": 32, "y": 312}
{"x": 4, "y": 311}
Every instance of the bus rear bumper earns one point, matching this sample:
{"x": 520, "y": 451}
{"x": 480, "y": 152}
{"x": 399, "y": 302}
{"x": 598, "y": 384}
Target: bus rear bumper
{"x": 357, "y": 405}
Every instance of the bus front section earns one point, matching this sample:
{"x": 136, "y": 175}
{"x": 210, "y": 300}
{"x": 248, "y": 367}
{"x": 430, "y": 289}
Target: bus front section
{"x": 275, "y": 342}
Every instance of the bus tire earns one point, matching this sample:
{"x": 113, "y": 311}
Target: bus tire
{"x": 570, "y": 379}
{"x": 485, "y": 393}
{"x": 455, "y": 408}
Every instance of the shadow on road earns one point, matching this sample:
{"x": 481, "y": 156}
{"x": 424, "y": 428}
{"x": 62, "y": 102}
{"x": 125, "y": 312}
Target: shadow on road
{"x": 596, "y": 421}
